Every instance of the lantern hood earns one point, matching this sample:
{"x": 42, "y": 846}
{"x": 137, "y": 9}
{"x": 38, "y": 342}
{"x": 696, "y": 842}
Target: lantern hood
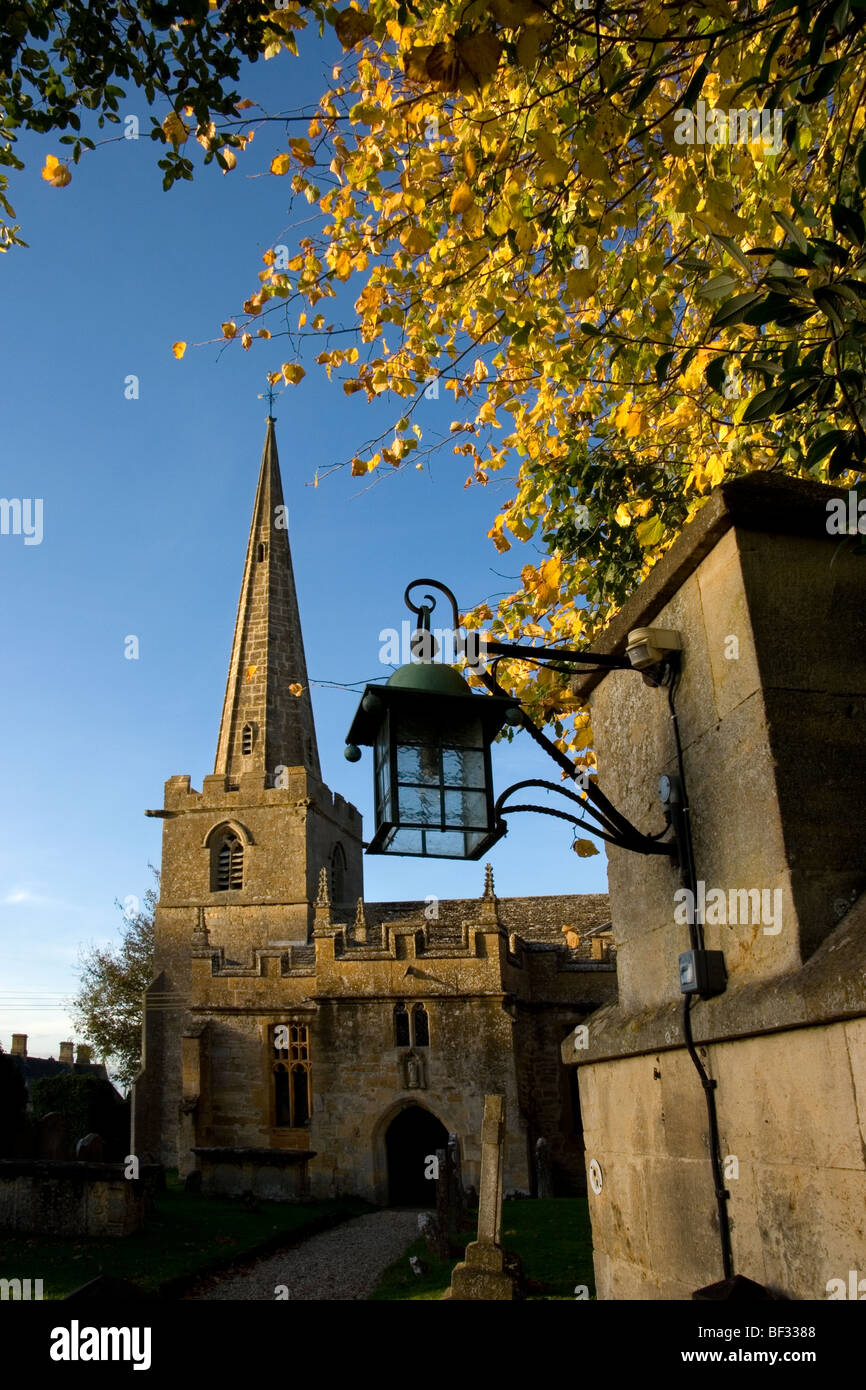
{"x": 431, "y": 677}
{"x": 430, "y": 686}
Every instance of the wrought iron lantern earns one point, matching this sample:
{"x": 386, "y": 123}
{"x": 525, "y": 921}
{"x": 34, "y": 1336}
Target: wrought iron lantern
{"x": 431, "y": 738}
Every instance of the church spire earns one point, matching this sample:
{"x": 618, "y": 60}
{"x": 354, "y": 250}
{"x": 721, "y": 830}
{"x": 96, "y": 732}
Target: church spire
{"x": 264, "y": 725}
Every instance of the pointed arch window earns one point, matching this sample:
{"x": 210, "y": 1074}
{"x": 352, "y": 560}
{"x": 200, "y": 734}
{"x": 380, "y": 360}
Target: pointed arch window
{"x": 420, "y": 1027}
{"x": 338, "y": 874}
{"x": 228, "y": 862}
{"x": 292, "y": 1081}
{"x": 401, "y": 1024}
{"x": 248, "y": 738}
{"x": 262, "y": 551}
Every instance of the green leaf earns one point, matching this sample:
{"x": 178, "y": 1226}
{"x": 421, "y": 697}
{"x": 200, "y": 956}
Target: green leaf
{"x": 765, "y": 404}
{"x": 649, "y": 532}
{"x": 728, "y": 244}
{"x": 848, "y": 223}
{"x": 718, "y": 287}
{"x": 842, "y": 456}
{"x": 824, "y": 83}
{"x": 823, "y": 445}
{"x": 733, "y": 311}
{"x": 662, "y": 365}
{"x": 715, "y": 374}
{"x": 792, "y": 231}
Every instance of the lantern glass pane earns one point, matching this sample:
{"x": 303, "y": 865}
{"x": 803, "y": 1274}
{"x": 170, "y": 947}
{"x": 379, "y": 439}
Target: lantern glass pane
{"x": 415, "y": 764}
{"x": 466, "y": 809}
{"x": 463, "y": 767}
{"x": 419, "y": 806}
{"x": 383, "y": 775}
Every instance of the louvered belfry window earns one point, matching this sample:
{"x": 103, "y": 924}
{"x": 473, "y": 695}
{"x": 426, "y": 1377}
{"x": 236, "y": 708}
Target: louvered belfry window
{"x": 247, "y": 739}
{"x": 230, "y": 864}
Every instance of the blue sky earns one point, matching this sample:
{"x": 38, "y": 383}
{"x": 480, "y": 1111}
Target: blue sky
{"x": 146, "y": 509}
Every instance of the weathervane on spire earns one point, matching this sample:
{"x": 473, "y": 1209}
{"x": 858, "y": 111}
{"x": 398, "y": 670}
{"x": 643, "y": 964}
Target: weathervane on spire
{"x": 270, "y": 393}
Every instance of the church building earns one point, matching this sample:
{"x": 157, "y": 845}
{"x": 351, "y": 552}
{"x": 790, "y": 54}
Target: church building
{"x": 298, "y": 1041}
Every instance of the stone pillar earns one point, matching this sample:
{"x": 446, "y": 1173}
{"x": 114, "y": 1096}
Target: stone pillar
{"x": 771, "y": 701}
{"x": 485, "y": 1274}
{"x": 543, "y": 1180}
{"x": 19, "y": 1044}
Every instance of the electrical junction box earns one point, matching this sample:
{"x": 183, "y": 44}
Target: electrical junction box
{"x": 703, "y": 973}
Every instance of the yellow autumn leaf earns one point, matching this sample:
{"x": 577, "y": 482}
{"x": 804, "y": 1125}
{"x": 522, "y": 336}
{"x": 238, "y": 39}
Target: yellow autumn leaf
{"x": 229, "y": 329}
{"x": 230, "y": 159}
{"x": 417, "y": 240}
{"x": 179, "y": 349}
{"x": 296, "y": 689}
{"x": 585, "y": 849}
{"x": 246, "y": 340}
{"x": 56, "y": 173}
{"x": 281, "y": 163}
{"x": 174, "y": 129}
{"x": 622, "y": 515}
{"x": 293, "y": 372}
{"x": 462, "y": 198}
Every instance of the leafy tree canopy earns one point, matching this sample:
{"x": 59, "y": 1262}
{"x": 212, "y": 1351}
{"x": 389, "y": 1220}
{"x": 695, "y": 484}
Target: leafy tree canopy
{"x": 108, "y": 1006}
{"x": 627, "y": 237}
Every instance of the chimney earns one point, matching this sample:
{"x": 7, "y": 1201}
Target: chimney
{"x": 66, "y": 1052}
{"x": 84, "y": 1053}
{"x": 19, "y": 1044}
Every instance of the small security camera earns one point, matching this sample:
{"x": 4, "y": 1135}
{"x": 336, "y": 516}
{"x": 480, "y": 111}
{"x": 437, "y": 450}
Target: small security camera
{"x": 648, "y": 646}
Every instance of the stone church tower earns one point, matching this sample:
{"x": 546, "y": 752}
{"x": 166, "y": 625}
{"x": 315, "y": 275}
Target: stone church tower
{"x": 241, "y": 859}
{"x": 297, "y": 1040}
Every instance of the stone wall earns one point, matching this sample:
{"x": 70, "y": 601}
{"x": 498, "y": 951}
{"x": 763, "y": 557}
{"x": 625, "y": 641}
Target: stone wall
{"x": 73, "y": 1199}
{"x": 772, "y": 612}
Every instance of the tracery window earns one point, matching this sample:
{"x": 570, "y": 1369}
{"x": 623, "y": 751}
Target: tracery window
{"x": 293, "y": 1099}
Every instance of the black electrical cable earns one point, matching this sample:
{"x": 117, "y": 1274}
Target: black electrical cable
{"x": 709, "y": 1086}
{"x": 696, "y": 937}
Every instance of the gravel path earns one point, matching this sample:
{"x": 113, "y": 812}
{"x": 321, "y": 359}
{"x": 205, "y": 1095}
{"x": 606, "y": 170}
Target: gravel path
{"x": 343, "y": 1263}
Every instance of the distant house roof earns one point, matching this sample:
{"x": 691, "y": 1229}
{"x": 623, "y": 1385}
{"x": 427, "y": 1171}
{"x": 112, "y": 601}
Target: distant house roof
{"x": 35, "y": 1068}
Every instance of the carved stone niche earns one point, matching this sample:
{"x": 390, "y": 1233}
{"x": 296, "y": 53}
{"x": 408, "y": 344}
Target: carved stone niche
{"x": 414, "y": 1072}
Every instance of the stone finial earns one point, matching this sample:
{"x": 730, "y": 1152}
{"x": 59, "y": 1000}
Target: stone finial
{"x": 323, "y": 902}
{"x": 359, "y": 930}
{"x": 489, "y": 913}
{"x": 200, "y": 933}
{"x": 488, "y": 882}
{"x": 323, "y": 897}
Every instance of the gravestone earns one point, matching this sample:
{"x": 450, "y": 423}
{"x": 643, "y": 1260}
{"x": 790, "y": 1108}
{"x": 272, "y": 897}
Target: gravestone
{"x": 443, "y": 1244}
{"x": 90, "y": 1149}
{"x": 53, "y": 1136}
{"x": 543, "y": 1179}
{"x": 487, "y": 1273}
{"x": 456, "y": 1194}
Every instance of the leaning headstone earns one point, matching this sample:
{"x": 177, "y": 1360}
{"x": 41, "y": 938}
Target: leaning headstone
{"x": 487, "y": 1273}
{"x": 443, "y": 1245}
{"x": 53, "y": 1136}
{"x": 543, "y": 1180}
{"x": 90, "y": 1149}
{"x": 456, "y": 1195}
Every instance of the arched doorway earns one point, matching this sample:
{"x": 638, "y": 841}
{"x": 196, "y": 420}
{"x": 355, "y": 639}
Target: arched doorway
{"x": 413, "y": 1136}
